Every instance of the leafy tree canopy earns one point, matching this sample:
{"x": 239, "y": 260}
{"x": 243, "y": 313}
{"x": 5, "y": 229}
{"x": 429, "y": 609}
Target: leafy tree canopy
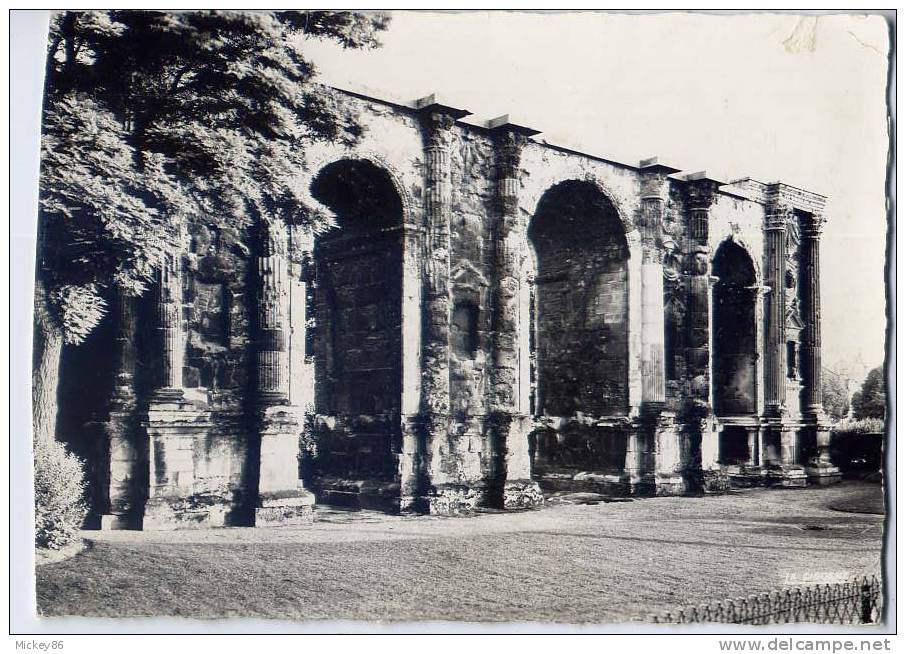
{"x": 871, "y": 400}
{"x": 835, "y": 395}
{"x": 152, "y": 117}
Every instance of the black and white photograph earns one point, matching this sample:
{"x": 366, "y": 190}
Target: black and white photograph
{"x": 462, "y": 321}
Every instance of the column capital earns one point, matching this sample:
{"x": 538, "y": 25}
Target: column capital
{"x": 437, "y": 120}
{"x": 701, "y": 190}
{"x": 509, "y": 140}
{"x": 778, "y": 215}
{"x": 653, "y": 178}
{"x": 811, "y": 225}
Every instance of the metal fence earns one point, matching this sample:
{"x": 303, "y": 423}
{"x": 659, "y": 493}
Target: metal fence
{"x": 858, "y": 601}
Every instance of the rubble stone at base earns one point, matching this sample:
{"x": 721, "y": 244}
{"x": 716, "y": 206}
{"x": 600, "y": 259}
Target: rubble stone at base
{"x": 524, "y": 494}
{"x": 453, "y": 500}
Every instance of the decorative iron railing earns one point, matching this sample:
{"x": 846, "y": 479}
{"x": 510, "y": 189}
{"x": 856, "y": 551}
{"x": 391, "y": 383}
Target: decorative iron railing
{"x": 858, "y": 601}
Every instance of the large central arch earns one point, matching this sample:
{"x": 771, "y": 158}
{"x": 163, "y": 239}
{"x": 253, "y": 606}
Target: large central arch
{"x": 581, "y": 303}
{"x": 356, "y": 338}
{"x": 580, "y": 335}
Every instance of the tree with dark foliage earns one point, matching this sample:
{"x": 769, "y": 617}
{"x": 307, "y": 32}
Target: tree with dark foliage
{"x": 871, "y": 400}
{"x": 834, "y": 394}
{"x": 153, "y": 117}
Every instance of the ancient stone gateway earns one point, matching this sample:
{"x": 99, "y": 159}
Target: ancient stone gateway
{"x": 491, "y": 317}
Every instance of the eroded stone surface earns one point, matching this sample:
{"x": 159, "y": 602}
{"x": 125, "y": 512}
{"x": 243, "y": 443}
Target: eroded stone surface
{"x": 491, "y": 315}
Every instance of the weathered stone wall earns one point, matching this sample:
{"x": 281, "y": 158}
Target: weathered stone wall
{"x": 480, "y": 317}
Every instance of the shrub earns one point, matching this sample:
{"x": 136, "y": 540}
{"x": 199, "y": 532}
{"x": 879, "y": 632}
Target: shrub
{"x": 59, "y": 489}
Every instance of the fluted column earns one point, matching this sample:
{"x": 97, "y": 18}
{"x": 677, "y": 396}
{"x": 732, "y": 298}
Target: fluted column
{"x": 701, "y": 193}
{"x": 811, "y": 315}
{"x": 169, "y": 323}
{"x": 775, "y": 345}
{"x": 508, "y": 418}
{"x": 698, "y": 415}
{"x": 282, "y": 498}
{"x": 271, "y": 358}
{"x": 444, "y": 460}
{"x": 653, "y": 200}
{"x": 507, "y": 255}
{"x": 437, "y": 128}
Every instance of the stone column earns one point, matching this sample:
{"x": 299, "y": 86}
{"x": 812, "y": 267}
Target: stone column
{"x": 510, "y": 426}
{"x": 121, "y": 477}
{"x": 701, "y": 193}
{"x": 282, "y": 498}
{"x": 447, "y": 491}
{"x": 819, "y": 470}
{"x": 811, "y": 316}
{"x": 169, "y": 322}
{"x": 657, "y": 429}
{"x": 271, "y": 359}
{"x": 172, "y": 423}
{"x": 775, "y": 346}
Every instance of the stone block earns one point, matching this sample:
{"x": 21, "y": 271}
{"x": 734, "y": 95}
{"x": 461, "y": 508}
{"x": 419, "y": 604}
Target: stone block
{"x": 286, "y": 515}
{"x": 788, "y": 476}
{"x": 454, "y": 500}
{"x": 823, "y": 475}
{"x": 168, "y": 514}
{"x": 669, "y": 484}
{"x": 114, "y": 522}
{"x": 524, "y": 494}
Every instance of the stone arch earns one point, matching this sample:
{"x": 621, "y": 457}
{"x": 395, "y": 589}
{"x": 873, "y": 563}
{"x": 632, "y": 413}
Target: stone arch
{"x": 319, "y": 162}
{"x": 754, "y": 254}
{"x": 580, "y": 303}
{"x": 542, "y": 183}
{"x": 357, "y": 335}
{"x": 735, "y": 341}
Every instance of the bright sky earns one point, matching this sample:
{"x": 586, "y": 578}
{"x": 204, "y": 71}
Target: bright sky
{"x": 774, "y": 97}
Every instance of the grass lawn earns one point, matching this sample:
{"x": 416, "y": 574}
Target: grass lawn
{"x": 573, "y": 563}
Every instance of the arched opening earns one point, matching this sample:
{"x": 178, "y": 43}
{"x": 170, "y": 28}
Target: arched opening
{"x": 580, "y": 337}
{"x": 734, "y": 332}
{"x": 356, "y": 304}
{"x": 581, "y": 303}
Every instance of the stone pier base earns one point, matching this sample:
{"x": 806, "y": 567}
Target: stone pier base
{"x": 289, "y": 508}
{"x": 114, "y": 522}
{"x": 789, "y": 476}
{"x": 823, "y": 474}
{"x": 669, "y": 484}
{"x": 452, "y": 499}
{"x": 522, "y": 494}
{"x": 196, "y": 512}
